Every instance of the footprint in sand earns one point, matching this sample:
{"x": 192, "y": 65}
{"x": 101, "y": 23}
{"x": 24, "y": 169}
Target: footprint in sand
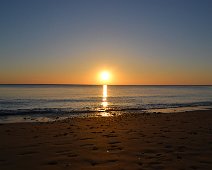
{"x": 114, "y": 142}
{"x": 94, "y": 163}
{"x": 52, "y": 163}
{"x": 110, "y": 136}
{"x": 114, "y": 148}
{"x": 95, "y": 148}
{"x": 28, "y": 153}
{"x": 85, "y": 138}
{"x": 86, "y": 145}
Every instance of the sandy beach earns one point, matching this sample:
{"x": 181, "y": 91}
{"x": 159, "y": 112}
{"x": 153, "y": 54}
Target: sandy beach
{"x": 131, "y": 141}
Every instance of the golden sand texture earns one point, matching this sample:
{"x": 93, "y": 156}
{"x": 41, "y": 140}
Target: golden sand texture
{"x": 131, "y": 141}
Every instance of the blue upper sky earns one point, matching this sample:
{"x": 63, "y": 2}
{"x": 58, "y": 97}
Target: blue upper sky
{"x": 170, "y": 36}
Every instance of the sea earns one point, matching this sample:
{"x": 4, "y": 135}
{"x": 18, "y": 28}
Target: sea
{"x": 32, "y": 103}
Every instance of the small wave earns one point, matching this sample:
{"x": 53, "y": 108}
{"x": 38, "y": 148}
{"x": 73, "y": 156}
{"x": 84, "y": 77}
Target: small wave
{"x": 58, "y": 111}
{"x": 177, "y": 105}
{"x": 44, "y": 111}
{"x": 75, "y": 111}
{"x": 46, "y": 100}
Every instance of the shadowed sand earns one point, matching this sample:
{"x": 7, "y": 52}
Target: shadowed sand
{"x": 131, "y": 141}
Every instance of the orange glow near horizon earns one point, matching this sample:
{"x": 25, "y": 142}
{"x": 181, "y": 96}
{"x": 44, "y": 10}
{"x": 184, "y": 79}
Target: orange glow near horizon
{"x": 118, "y": 75}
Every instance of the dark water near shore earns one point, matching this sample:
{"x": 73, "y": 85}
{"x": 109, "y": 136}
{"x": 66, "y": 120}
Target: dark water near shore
{"x": 44, "y": 102}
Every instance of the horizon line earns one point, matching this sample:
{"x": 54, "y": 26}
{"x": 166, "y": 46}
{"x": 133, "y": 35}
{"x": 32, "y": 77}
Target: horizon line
{"x": 107, "y": 84}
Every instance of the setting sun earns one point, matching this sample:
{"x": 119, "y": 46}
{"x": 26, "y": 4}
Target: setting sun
{"x": 105, "y": 76}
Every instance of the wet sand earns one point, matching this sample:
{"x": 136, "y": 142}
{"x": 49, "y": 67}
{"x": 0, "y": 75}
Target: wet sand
{"x": 131, "y": 141}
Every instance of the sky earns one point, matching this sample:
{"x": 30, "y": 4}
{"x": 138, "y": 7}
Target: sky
{"x": 145, "y": 42}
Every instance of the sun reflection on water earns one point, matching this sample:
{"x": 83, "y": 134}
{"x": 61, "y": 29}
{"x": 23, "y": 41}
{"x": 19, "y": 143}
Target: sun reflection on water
{"x": 103, "y": 110}
{"x": 104, "y": 97}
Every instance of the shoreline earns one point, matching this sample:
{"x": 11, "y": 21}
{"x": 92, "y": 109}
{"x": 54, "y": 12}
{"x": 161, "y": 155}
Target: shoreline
{"x": 129, "y": 141}
{"x": 51, "y": 117}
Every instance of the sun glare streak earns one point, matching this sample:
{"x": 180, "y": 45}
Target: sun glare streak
{"x": 104, "y": 97}
{"x": 105, "y": 91}
{"x": 104, "y": 76}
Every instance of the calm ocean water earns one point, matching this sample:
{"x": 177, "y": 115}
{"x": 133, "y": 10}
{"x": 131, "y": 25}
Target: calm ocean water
{"x": 47, "y": 102}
